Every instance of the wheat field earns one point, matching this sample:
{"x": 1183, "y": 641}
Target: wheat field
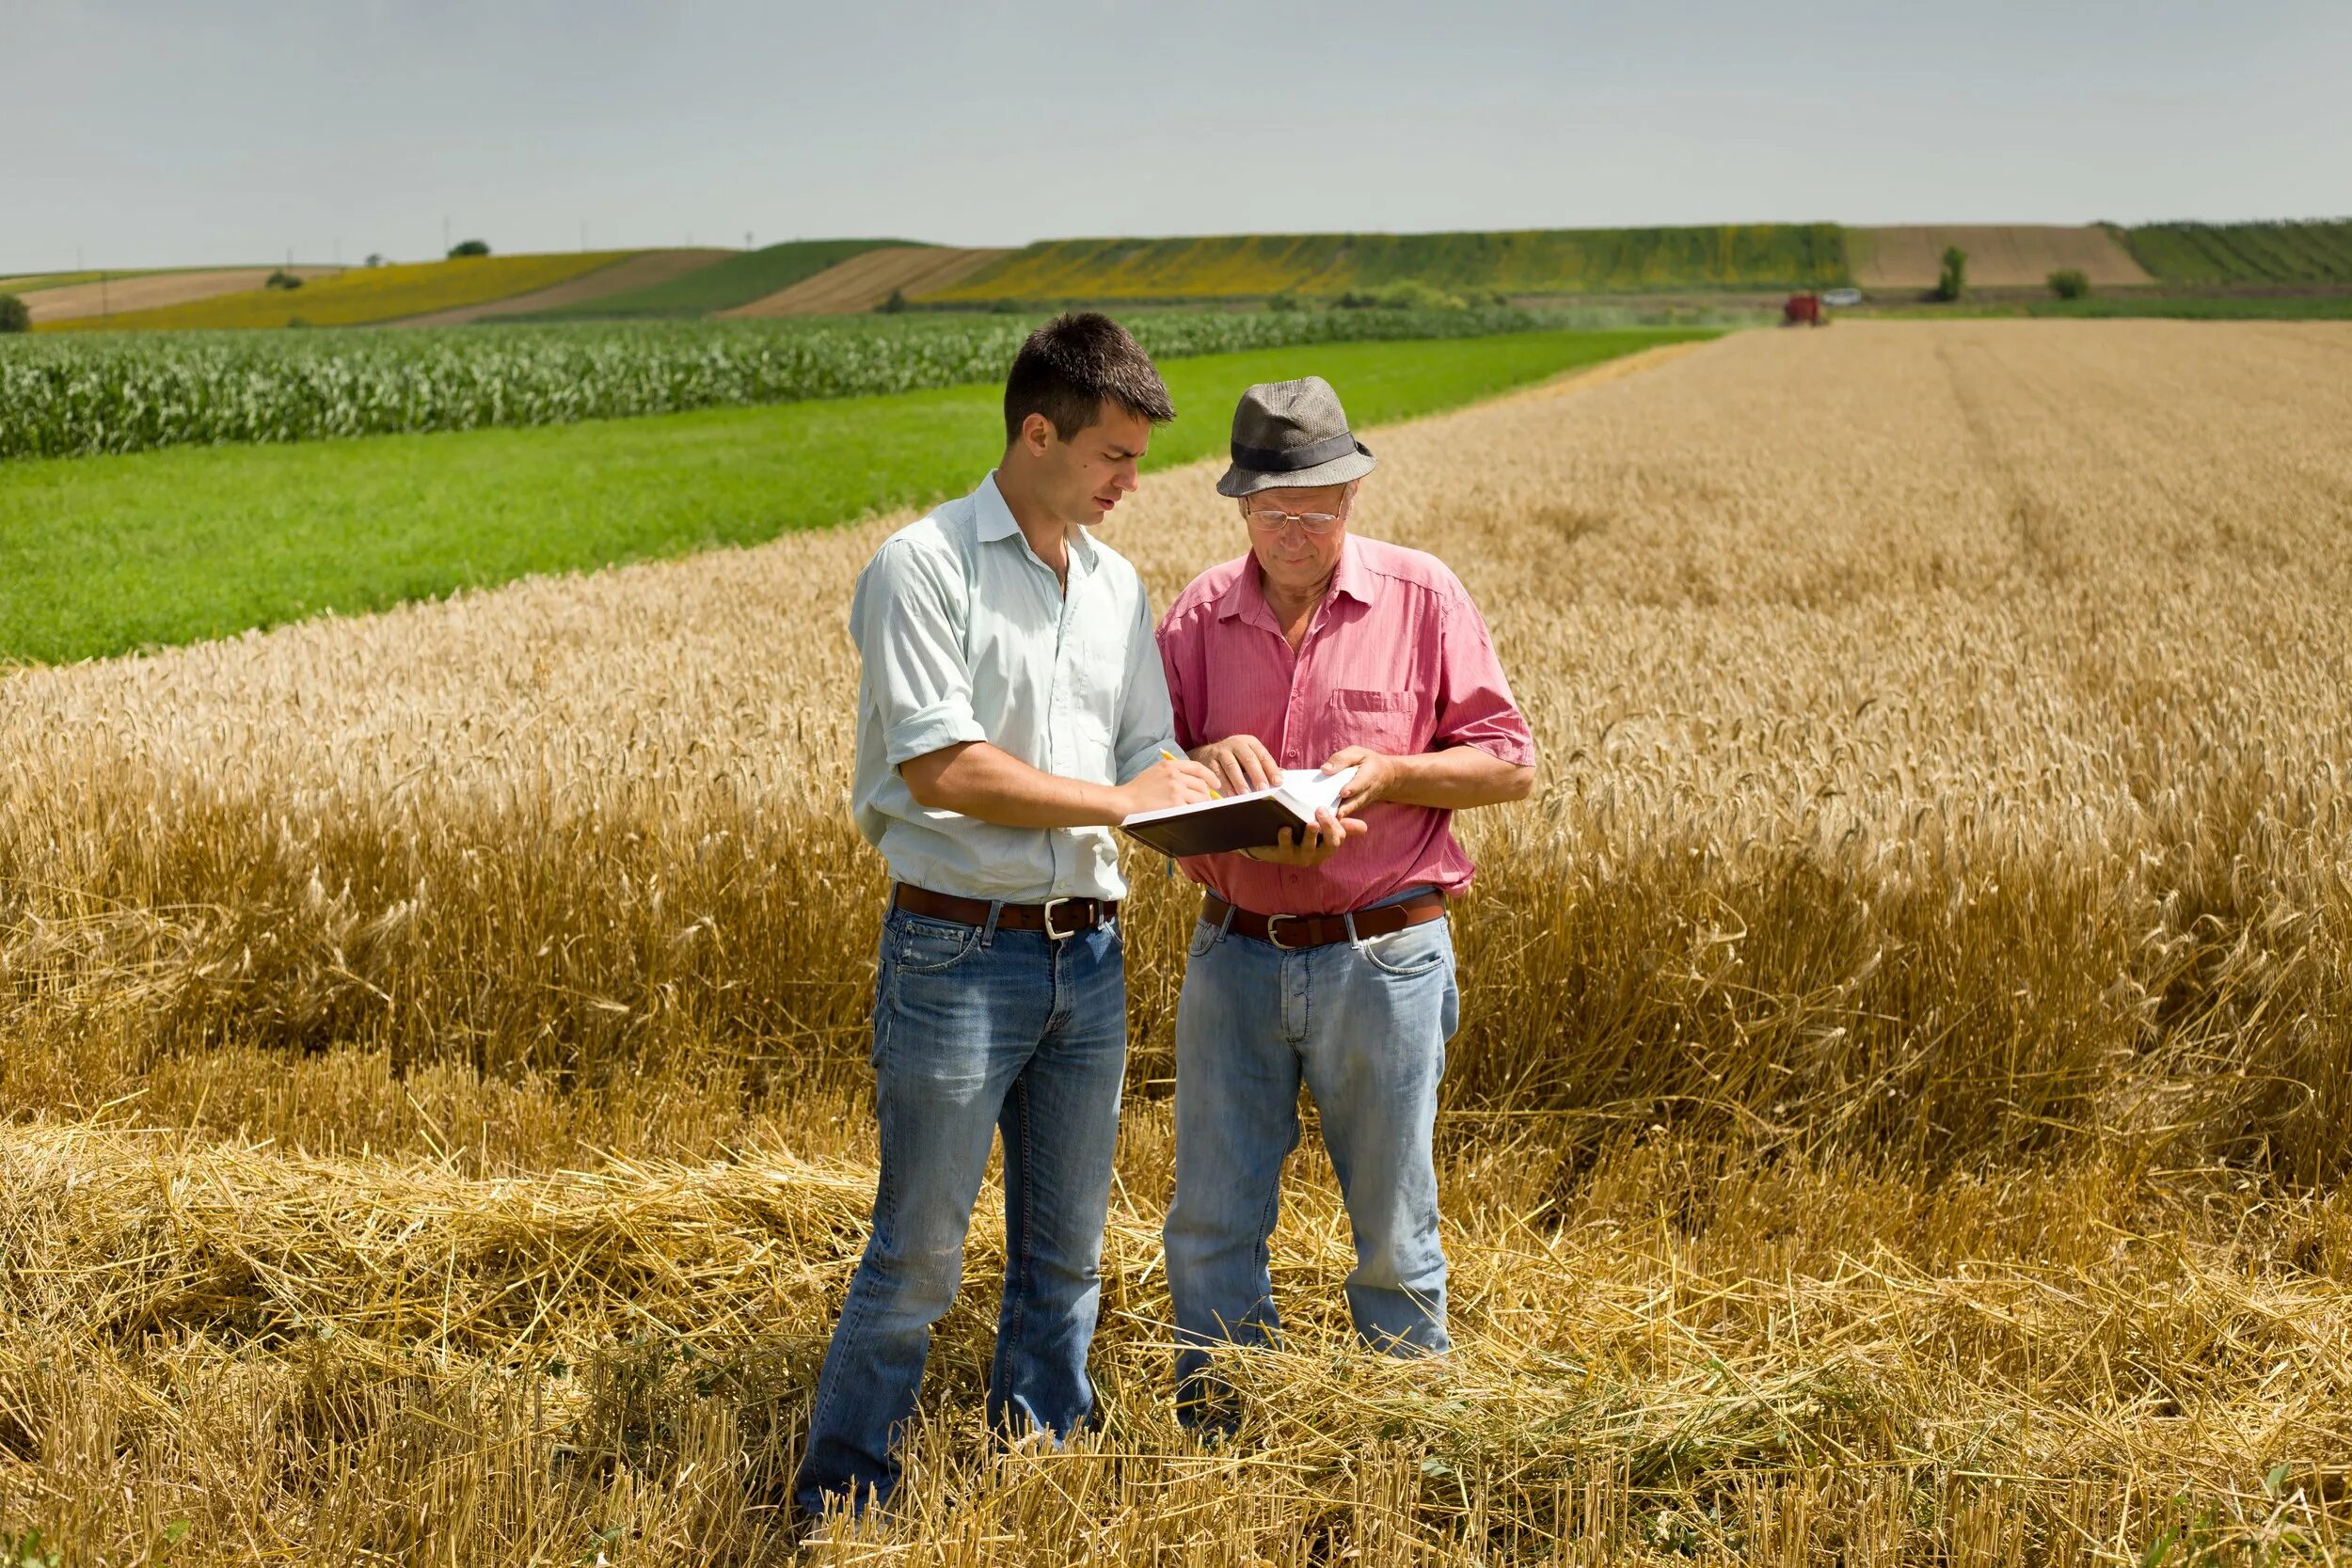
{"x": 1901, "y": 1112}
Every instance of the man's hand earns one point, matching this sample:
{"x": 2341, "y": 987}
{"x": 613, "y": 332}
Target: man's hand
{"x": 1311, "y": 845}
{"x": 1377, "y": 774}
{"x": 1170, "y": 781}
{"x": 1241, "y": 763}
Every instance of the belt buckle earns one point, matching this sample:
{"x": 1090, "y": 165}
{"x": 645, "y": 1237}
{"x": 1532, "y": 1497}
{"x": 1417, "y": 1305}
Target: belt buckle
{"x": 1274, "y": 931}
{"x": 1052, "y": 904}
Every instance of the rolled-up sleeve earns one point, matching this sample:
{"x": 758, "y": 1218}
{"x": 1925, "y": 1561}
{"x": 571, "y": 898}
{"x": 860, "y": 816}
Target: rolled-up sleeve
{"x": 1474, "y": 703}
{"x": 908, "y": 621}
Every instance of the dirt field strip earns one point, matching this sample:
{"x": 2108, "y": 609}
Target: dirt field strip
{"x": 2001, "y": 255}
{"x": 867, "y": 280}
{"x": 77, "y": 301}
{"x": 636, "y": 271}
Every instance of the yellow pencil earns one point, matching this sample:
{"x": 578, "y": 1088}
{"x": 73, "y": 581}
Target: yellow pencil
{"x": 1171, "y": 756}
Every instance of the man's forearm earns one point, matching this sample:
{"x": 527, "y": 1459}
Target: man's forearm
{"x": 978, "y": 780}
{"x": 1459, "y": 778}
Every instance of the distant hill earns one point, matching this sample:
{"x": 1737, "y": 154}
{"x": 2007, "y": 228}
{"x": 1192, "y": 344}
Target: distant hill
{"x": 627, "y": 275}
{"x": 742, "y": 278}
{"x": 360, "y": 296}
{"x": 2159, "y": 261}
{"x": 1521, "y": 261}
{"x": 2319, "y": 251}
{"x": 118, "y": 295}
{"x": 868, "y": 279}
{"x": 2000, "y": 255}
{"x": 30, "y": 283}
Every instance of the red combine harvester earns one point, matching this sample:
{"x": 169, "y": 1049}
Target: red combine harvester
{"x": 1803, "y": 310}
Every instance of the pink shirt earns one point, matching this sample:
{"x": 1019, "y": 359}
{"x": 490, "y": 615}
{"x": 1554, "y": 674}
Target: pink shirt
{"x": 1395, "y": 658}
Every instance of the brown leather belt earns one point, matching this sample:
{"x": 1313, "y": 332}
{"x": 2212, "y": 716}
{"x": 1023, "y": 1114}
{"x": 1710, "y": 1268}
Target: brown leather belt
{"x": 1322, "y": 930}
{"x": 1056, "y": 917}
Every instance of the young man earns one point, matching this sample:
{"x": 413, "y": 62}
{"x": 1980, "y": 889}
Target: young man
{"x": 1012, "y": 706}
{"x": 1327, "y": 959}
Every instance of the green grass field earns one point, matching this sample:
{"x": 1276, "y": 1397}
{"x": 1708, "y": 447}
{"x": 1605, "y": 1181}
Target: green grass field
{"x": 1528, "y": 262}
{"x": 101, "y": 555}
{"x": 2313, "y": 252}
{"x": 722, "y": 285}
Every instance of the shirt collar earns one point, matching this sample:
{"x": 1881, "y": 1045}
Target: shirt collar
{"x": 1352, "y": 578}
{"x": 991, "y": 520}
{"x": 1245, "y": 596}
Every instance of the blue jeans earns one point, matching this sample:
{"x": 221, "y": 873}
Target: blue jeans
{"x": 1364, "y": 1024}
{"x": 977, "y": 1032}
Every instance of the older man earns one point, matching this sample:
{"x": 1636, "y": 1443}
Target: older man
{"x": 1327, "y": 961}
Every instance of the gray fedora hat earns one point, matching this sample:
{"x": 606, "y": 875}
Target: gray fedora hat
{"x": 1291, "y": 436}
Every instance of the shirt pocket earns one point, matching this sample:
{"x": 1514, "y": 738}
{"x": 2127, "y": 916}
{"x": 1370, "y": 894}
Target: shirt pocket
{"x": 1382, "y": 721}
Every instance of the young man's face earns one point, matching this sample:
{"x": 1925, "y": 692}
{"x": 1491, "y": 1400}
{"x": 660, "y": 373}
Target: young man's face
{"x": 1083, "y": 477}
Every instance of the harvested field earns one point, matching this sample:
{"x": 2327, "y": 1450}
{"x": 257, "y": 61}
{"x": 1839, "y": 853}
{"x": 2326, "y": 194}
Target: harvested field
{"x": 151, "y": 291}
{"x": 2003, "y": 255}
{"x": 867, "y": 279}
{"x": 1900, "y": 1117}
{"x": 639, "y": 271}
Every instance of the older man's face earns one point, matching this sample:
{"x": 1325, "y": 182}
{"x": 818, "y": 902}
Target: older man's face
{"x": 1296, "y": 559}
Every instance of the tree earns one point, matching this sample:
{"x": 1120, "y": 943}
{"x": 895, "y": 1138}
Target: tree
{"x": 15, "y": 315}
{"x": 375, "y": 258}
{"x": 1954, "y": 278}
{"x": 2070, "y": 283}
{"x": 895, "y": 305}
{"x": 281, "y": 278}
{"x": 469, "y": 247}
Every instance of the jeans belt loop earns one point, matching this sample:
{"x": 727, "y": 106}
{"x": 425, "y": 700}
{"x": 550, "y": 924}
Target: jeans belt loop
{"x": 988, "y": 932}
{"x": 1353, "y": 940}
{"x": 1227, "y": 924}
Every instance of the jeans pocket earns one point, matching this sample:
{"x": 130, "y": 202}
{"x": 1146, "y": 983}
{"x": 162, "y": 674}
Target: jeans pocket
{"x": 1411, "y": 953}
{"x": 921, "y": 946}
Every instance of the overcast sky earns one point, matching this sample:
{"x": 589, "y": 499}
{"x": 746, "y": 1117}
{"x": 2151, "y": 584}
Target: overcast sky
{"x": 145, "y": 132}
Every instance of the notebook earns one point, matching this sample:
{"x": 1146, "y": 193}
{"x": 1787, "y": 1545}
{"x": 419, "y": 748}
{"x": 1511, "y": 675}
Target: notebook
{"x": 1251, "y": 821}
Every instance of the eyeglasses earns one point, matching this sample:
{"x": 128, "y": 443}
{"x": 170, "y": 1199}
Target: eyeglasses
{"x": 1318, "y": 523}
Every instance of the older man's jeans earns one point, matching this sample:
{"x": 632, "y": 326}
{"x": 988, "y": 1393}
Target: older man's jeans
{"x": 1364, "y": 1024}
{"x": 977, "y": 1033}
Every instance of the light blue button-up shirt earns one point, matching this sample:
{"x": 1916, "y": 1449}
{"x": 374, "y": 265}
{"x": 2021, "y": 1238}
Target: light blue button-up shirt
{"x": 965, "y": 635}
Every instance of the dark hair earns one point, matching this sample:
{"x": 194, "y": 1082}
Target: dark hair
{"x": 1071, "y": 366}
